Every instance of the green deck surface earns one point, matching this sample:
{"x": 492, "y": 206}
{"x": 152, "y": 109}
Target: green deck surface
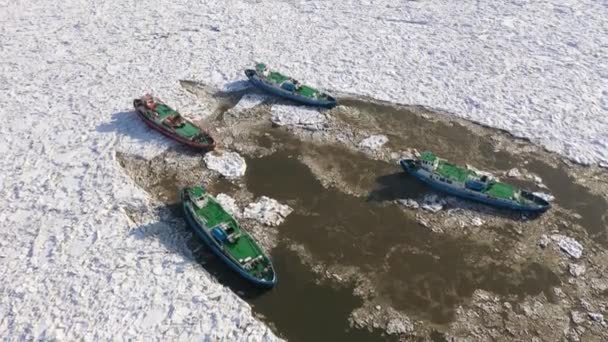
{"x": 501, "y": 190}
{"x": 460, "y": 174}
{"x": 453, "y": 172}
{"x": 277, "y": 79}
{"x": 428, "y": 156}
{"x": 213, "y": 214}
{"x": 307, "y": 91}
{"x": 187, "y": 130}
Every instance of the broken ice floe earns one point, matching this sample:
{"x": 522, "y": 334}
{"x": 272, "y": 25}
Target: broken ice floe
{"x": 229, "y": 204}
{"x": 228, "y": 164}
{"x": 432, "y": 203}
{"x": 477, "y": 221}
{"x": 577, "y": 317}
{"x": 598, "y": 317}
{"x": 570, "y": 246}
{"x": 267, "y": 211}
{"x": 547, "y": 197}
{"x": 408, "y": 203}
{"x": 514, "y": 173}
{"x": 302, "y": 117}
{"x": 576, "y": 270}
{"x": 373, "y": 142}
{"x": 544, "y": 241}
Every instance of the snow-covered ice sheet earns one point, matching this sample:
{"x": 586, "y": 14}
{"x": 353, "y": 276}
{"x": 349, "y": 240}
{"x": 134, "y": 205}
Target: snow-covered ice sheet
{"x": 71, "y": 267}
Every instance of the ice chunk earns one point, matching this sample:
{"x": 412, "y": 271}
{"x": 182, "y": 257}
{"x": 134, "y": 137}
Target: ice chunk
{"x": 544, "y": 241}
{"x": 409, "y": 203}
{"x": 229, "y": 204}
{"x": 432, "y": 203}
{"x": 514, "y": 172}
{"x": 570, "y": 246}
{"x": 373, "y": 142}
{"x": 477, "y": 221}
{"x": 577, "y": 317}
{"x": 228, "y": 164}
{"x": 298, "y": 117}
{"x": 547, "y": 197}
{"x": 576, "y": 270}
{"x": 598, "y": 317}
{"x": 267, "y": 211}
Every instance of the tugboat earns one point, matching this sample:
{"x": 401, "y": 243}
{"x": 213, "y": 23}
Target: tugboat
{"x": 285, "y": 86}
{"x": 223, "y": 234}
{"x": 462, "y": 182}
{"x": 169, "y": 122}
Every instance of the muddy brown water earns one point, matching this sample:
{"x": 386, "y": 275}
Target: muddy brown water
{"x": 423, "y": 274}
{"x": 416, "y": 271}
{"x": 459, "y": 144}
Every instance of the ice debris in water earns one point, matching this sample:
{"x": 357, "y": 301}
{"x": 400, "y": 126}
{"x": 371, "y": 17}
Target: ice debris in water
{"x": 267, "y": 211}
{"x": 544, "y": 241}
{"x": 373, "y": 142}
{"x": 570, "y": 246}
{"x": 229, "y": 204}
{"x": 514, "y": 173}
{"x": 432, "y": 203}
{"x": 409, "y": 203}
{"x": 399, "y": 326}
{"x": 598, "y": 317}
{"x": 228, "y": 164}
{"x": 576, "y": 270}
{"x": 547, "y": 197}
{"x": 577, "y": 317}
{"x": 307, "y": 118}
{"x": 477, "y": 222}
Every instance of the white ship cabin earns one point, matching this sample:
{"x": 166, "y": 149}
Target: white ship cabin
{"x": 429, "y": 165}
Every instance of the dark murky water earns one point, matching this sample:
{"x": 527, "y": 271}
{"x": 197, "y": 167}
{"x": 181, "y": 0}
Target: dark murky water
{"x": 426, "y": 275}
{"x": 457, "y": 143}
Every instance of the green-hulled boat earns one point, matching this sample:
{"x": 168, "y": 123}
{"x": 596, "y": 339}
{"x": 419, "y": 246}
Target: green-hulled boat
{"x": 223, "y": 234}
{"x": 462, "y": 182}
{"x": 169, "y": 122}
{"x": 285, "y": 86}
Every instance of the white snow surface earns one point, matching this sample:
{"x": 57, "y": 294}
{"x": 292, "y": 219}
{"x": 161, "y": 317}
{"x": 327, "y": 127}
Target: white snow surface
{"x": 298, "y": 116}
{"x": 71, "y": 267}
{"x": 229, "y": 164}
{"x": 267, "y": 211}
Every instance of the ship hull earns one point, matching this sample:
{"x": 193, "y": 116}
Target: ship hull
{"x": 424, "y": 176}
{"x": 208, "y": 240}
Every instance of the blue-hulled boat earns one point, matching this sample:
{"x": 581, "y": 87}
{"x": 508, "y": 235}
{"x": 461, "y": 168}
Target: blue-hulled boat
{"x": 458, "y": 181}
{"x": 285, "y": 86}
{"x": 225, "y": 237}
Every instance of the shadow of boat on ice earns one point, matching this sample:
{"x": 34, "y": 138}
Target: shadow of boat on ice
{"x": 177, "y": 237}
